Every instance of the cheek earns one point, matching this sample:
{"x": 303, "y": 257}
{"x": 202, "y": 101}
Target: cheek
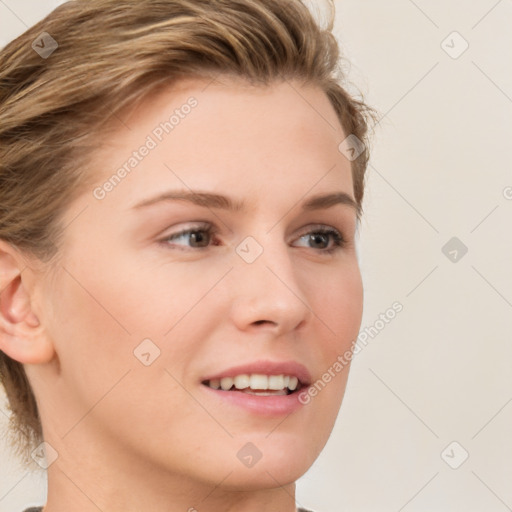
{"x": 97, "y": 327}
{"x": 92, "y": 343}
{"x": 103, "y": 308}
{"x": 337, "y": 301}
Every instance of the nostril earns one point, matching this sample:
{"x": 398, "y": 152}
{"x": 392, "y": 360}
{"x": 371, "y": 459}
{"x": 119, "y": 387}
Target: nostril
{"x": 262, "y": 322}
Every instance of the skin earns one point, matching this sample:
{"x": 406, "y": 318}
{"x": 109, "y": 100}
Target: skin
{"x": 132, "y": 437}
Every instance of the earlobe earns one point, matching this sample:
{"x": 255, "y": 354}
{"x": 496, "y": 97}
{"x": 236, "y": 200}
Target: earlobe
{"x": 21, "y": 335}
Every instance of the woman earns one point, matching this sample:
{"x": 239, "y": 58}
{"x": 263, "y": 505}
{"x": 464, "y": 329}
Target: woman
{"x": 181, "y": 183}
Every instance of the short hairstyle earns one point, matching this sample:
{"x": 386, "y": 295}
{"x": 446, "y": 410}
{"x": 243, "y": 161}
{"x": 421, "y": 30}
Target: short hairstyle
{"x": 113, "y": 54}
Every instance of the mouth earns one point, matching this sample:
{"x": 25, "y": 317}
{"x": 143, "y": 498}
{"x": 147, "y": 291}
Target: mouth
{"x": 258, "y": 384}
{"x": 263, "y": 388}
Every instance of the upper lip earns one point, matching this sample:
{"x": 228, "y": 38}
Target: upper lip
{"x": 291, "y": 368}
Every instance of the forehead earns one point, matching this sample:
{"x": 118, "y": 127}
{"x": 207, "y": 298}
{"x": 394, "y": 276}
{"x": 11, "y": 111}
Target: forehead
{"x": 203, "y": 134}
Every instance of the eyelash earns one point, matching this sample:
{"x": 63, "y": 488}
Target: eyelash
{"x": 339, "y": 241}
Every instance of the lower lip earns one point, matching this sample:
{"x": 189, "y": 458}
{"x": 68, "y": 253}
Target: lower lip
{"x": 277, "y": 405}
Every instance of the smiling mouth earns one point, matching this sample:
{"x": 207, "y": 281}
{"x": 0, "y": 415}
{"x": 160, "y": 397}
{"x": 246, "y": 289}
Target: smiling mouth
{"x": 257, "y": 384}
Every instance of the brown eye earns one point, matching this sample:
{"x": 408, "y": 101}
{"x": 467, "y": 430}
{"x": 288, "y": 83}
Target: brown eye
{"x": 199, "y": 238}
{"x": 195, "y": 237}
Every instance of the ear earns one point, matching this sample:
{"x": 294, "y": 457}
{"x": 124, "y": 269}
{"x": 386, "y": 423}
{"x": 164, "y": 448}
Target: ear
{"x": 22, "y": 336}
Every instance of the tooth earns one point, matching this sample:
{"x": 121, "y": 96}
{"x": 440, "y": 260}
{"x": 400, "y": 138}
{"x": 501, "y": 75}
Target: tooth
{"x": 226, "y": 383}
{"x": 293, "y": 383}
{"x": 259, "y": 381}
{"x": 276, "y": 382}
{"x": 241, "y": 381}
{"x": 256, "y": 382}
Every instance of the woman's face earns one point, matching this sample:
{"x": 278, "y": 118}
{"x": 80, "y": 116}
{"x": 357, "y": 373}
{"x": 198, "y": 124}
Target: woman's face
{"x": 153, "y": 295}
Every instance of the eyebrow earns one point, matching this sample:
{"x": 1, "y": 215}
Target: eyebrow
{"x": 210, "y": 200}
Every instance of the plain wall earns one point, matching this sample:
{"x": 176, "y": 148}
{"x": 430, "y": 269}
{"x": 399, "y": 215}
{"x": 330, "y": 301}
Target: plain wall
{"x": 441, "y": 370}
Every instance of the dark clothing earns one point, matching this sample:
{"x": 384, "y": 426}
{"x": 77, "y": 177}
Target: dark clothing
{"x": 39, "y": 509}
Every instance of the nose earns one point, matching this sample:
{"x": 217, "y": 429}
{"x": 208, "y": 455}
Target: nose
{"x": 267, "y": 293}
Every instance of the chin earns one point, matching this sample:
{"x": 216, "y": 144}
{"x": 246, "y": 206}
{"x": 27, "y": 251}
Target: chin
{"x": 268, "y": 462}
{"x": 268, "y": 475}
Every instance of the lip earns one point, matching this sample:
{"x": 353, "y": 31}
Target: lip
{"x": 267, "y": 406}
{"x": 266, "y": 368}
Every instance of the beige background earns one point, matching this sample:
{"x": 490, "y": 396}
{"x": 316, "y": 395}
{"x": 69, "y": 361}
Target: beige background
{"x": 441, "y": 371}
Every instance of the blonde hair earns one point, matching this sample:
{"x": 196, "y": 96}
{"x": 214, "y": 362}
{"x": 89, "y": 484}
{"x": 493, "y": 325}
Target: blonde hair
{"x": 112, "y": 54}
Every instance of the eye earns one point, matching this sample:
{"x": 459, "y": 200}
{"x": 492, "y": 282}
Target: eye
{"x": 324, "y": 239}
{"x": 199, "y": 236}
